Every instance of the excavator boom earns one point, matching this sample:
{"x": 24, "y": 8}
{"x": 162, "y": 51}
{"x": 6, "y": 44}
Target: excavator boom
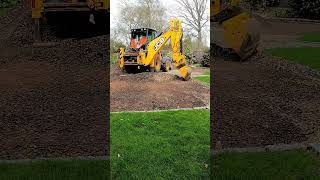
{"x": 175, "y": 35}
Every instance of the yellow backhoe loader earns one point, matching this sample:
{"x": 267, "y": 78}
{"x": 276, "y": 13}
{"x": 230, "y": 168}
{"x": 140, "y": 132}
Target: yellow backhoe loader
{"x": 145, "y": 46}
{"x": 240, "y": 30}
{"x": 94, "y": 11}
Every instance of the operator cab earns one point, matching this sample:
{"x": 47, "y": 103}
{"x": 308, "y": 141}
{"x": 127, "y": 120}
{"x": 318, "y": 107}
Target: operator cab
{"x": 140, "y": 37}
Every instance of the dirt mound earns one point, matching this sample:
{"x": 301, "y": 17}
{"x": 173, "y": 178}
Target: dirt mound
{"x": 264, "y": 101}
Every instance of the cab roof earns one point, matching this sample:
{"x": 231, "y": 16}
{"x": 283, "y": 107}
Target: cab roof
{"x": 142, "y": 29}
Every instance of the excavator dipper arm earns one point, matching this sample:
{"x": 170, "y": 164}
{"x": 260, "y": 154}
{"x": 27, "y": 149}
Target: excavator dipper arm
{"x": 154, "y": 47}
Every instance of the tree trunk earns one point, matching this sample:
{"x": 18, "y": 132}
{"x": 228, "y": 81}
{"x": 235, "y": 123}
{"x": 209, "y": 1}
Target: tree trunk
{"x": 199, "y": 38}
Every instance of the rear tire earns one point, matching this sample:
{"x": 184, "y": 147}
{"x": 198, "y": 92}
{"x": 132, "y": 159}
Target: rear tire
{"x": 166, "y": 64}
{"x": 129, "y": 69}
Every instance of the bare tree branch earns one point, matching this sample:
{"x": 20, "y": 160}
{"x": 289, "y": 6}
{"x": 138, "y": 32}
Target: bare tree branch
{"x": 138, "y": 14}
{"x": 195, "y": 15}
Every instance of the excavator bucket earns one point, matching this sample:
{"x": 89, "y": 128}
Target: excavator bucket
{"x": 70, "y": 18}
{"x": 249, "y": 46}
{"x": 185, "y": 73}
{"x": 251, "y": 42}
{"x": 242, "y": 35}
{"x": 240, "y": 29}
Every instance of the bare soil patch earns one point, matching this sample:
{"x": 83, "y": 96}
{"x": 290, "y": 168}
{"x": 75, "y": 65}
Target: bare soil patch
{"x": 154, "y": 91}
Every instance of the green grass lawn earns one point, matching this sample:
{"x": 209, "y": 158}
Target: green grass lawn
{"x": 205, "y": 78}
{"x": 160, "y": 145}
{"x": 309, "y": 56}
{"x": 56, "y": 170}
{"x": 312, "y": 37}
{"x": 286, "y": 165}
{"x": 3, "y": 12}
{"x": 5, "y": 5}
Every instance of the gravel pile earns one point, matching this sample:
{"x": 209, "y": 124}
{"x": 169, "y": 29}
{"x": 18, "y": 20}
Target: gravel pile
{"x": 264, "y": 101}
{"x": 283, "y": 65}
{"x": 53, "y": 100}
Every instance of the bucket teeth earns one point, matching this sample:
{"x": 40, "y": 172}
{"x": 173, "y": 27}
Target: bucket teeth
{"x": 185, "y": 73}
{"x": 249, "y": 46}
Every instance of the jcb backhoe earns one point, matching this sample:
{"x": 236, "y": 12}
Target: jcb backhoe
{"x": 145, "y": 46}
{"x": 94, "y": 11}
{"x": 240, "y": 30}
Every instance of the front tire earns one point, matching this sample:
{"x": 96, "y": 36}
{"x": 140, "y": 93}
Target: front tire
{"x": 166, "y": 65}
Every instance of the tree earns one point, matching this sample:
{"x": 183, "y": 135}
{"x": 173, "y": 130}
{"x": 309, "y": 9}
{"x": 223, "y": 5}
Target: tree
{"x": 140, "y": 13}
{"x": 115, "y": 45}
{"x": 255, "y": 4}
{"x": 7, "y": 3}
{"x": 152, "y": 14}
{"x": 195, "y": 14}
{"x": 188, "y": 50}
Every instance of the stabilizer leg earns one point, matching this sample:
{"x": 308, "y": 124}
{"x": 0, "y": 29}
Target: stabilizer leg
{"x": 36, "y": 29}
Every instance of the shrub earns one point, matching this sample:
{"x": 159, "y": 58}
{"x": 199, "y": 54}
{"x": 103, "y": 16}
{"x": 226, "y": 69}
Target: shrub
{"x": 262, "y": 4}
{"x": 7, "y": 3}
{"x": 115, "y": 46}
{"x": 255, "y": 4}
{"x": 309, "y": 9}
{"x": 272, "y": 3}
{"x": 205, "y": 61}
{"x": 189, "y": 55}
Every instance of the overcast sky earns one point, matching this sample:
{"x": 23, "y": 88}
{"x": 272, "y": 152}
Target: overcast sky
{"x": 170, "y": 5}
